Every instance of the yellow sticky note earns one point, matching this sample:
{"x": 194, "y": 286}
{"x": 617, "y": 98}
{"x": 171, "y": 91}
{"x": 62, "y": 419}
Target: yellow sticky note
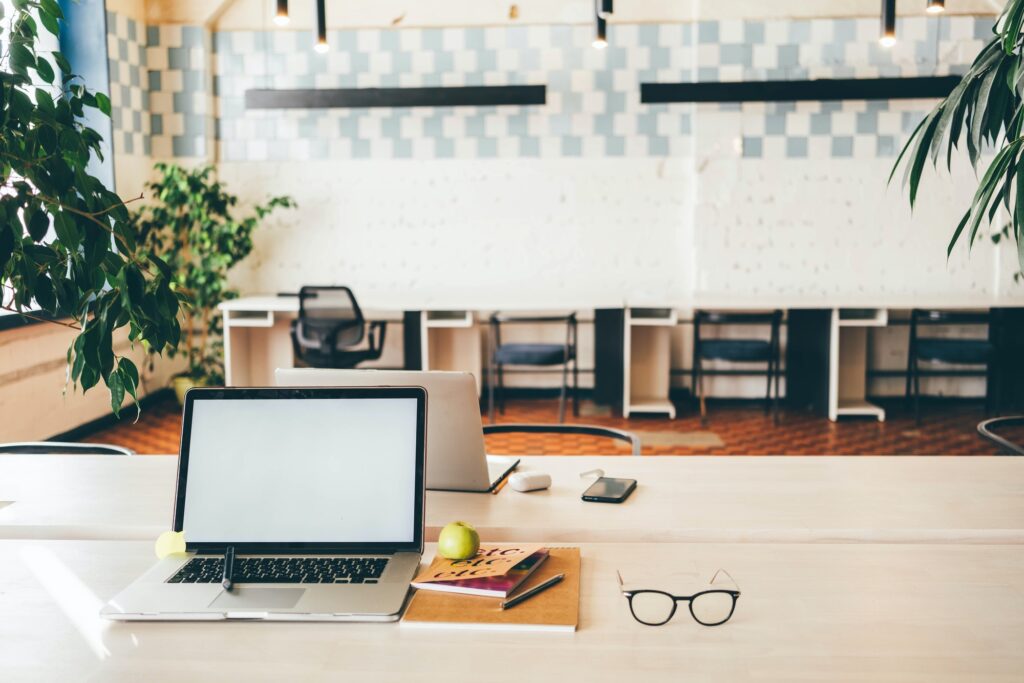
{"x": 170, "y": 543}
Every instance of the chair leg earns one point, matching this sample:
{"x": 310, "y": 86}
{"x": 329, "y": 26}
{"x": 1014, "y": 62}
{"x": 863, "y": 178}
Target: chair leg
{"x": 700, "y": 396}
{"x": 917, "y": 395}
{"x": 490, "y": 391}
{"x": 778, "y": 375}
{"x": 561, "y": 400}
{"x": 501, "y": 388}
{"x": 575, "y": 387}
{"x": 768, "y": 389}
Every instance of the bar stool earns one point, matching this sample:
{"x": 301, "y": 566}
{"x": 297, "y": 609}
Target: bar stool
{"x": 738, "y": 350}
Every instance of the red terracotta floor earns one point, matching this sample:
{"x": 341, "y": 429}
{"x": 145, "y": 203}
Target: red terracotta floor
{"x": 733, "y": 429}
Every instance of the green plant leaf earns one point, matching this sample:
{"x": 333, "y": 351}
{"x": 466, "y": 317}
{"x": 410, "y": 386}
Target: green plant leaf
{"x": 103, "y": 103}
{"x": 115, "y": 382}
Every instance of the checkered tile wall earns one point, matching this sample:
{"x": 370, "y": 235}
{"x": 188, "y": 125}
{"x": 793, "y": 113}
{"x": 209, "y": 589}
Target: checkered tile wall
{"x": 129, "y": 93}
{"x": 593, "y": 106}
{"x": 181, "y": 91}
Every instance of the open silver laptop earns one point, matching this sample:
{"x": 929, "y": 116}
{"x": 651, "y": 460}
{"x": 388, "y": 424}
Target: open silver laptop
{"x": 456, "y": 460}
{"x": 317, "y": 492}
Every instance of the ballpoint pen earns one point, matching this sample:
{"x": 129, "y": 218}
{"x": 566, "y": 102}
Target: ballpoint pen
{"x": 229, "y": 568}
{"x": 533, "y": 591}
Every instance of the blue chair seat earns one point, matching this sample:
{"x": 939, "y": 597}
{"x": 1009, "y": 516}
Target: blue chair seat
{"x": 531, "y": 354}
{"x": 967, "y": 351}
{"x": 735, "y": 349}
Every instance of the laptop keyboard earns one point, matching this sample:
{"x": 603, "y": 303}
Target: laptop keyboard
{"x": 284, "y": 570}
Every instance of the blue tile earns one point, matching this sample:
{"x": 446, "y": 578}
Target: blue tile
{"x": 844, "y": 30}
{"x": 402, "y": 149}
{"x": 796, "y": 148}
{"x": 153, "y": 36}
{"x": 647, "y": 35}
{"x": 821, "y": 123}
{"x": 572, "y": 146}
{"x": 183, "y": 147}
{"x": 177, "y": 58}
{"x": 517, "y": 37}
{"x": 615, "y": 146}
{"x": 753, "y": 32}
{"x": 156, "y": 124}
{"x": 487, "y": 148}
{"x": 885, "y": 145}
{"x": 867, "y": 122}
{"x": 775, "y": 124}
{"x": 129, "y": 145}
{"x": 736, "y": 55}
{"x": 193, "y": 81}
{"x": 361, "y": 149}
{"x": 133, "y": 30}
{"x": 390, "y": 41}
{"x": 658, "y": 146}
{"x": 799, "y": 31}
{"x": 192, "y": 36}
{"x": 842, "y": 146}
{"x": 788, "y": 55}
{"x": 753, "y": 148}
{"x": 707, "y": 32}
{"x": 647, "y": 124}
{"x": 529, "y": 147}
{"x": 659, "y": 57}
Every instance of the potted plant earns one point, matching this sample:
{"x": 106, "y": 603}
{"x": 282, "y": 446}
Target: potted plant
{"x": 191, "y": 224}
{"x": 985, "y": 110}
{"x": 68, "y": 249}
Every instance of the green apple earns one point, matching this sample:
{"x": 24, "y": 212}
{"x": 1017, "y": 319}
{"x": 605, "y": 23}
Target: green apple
{"x": 170, "y": 543}
{"x": 458, "y": 541}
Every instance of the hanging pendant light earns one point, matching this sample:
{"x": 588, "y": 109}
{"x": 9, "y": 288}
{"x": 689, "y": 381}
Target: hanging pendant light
{"x": 281, "y": 16}
{"x": 601, "y": 37}
{"x": 604, "y": 8}
{"x": 936, "y": 7}
{"x": 888, "y": 37}
{"x": 321, "y": 27}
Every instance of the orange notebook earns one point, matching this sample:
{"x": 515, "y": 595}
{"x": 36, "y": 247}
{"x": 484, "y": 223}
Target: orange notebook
{"x": 556, "y": 609}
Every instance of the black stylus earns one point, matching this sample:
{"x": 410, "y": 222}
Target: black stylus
{"x": 229, "y": 568}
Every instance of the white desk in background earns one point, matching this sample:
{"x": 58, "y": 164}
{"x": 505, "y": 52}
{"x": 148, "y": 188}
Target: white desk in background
{"x": 806, "y": 612}
{"x": 679, "y": 499}
{"x": 826, "y": 349}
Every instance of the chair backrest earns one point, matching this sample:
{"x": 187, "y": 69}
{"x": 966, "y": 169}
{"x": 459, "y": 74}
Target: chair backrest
{"x": 327, "y": 313}
{"x": 590, "y": 430}
{"x": 498, "y": 319}
{"x": 62, "y": 447}
{"x": 922, "y": 316}
{"x": 731, "y": 318}
{"x": 989, "y": 428}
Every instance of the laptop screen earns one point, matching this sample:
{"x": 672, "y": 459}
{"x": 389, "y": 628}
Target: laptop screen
{"x": 296, "y": 467}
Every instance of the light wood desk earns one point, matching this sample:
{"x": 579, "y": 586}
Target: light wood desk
{"x": 681, "y": 499}
{"x": 807, "y": 612}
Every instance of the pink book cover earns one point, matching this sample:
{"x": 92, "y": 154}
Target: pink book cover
{"x": 490, "y": 586}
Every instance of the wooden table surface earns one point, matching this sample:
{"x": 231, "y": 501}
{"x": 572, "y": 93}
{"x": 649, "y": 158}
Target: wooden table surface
{"x": 678, "y": 499}
{"x": 892, "y": 612}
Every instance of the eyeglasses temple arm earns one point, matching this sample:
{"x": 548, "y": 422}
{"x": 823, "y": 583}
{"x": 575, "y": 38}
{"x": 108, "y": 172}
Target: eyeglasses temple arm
{"x": 722, "y": 571}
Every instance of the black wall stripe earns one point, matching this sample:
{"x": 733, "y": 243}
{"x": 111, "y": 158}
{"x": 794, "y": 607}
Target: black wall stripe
{"x": 475, "y": 95}
{"x": 793, "y": 91}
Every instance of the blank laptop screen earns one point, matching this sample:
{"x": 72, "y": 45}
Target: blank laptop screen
{"x": 331, "y": 470}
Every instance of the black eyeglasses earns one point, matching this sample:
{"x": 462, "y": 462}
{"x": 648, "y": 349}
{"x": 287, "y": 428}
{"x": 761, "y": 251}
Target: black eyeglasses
{"x": 712, "y": 607}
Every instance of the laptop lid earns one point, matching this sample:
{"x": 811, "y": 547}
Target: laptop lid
{"x": 272, "y": 470}
{"x": 455, "y": 453}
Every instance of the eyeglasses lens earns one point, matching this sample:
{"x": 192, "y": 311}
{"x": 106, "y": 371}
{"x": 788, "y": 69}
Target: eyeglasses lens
{"x": 652, "y": 608}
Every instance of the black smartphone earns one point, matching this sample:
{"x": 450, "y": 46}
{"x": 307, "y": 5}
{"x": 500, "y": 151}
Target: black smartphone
{"x": 609, "y": 490}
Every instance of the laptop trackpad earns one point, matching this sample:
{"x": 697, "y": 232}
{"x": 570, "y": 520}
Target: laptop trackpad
{"x": 245, "y": 597}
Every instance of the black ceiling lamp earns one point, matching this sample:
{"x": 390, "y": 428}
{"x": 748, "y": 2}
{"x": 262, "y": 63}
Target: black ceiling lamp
{"x": 281, "y": 16}
{"x": 935, "y": 6}
{"x": 888, "y": 37}
{"x": 604, "y": 8}
{"x": 321, "y": 27}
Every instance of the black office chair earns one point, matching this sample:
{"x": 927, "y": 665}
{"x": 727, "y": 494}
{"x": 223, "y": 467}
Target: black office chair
{"x": 62, "y": 448}
{"x": 945, "y": 350}
{"x": 329, "y": 328}
{"x": 500, "y": 355}
{"x": 738, "y": 350}
{"x": 988, "y": 430}
{"x": 590, "y": 430}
